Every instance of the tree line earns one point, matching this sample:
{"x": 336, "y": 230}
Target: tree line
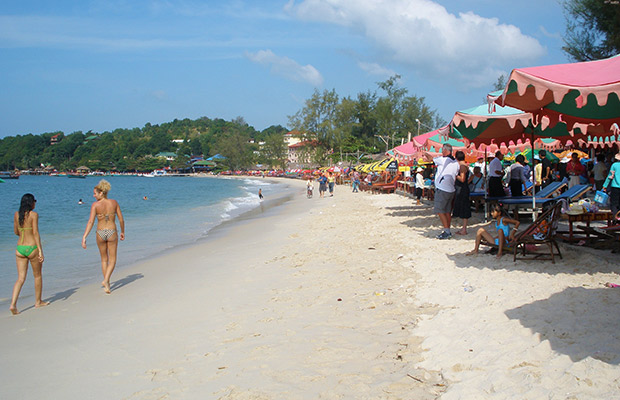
{"x": 337, "y": 128}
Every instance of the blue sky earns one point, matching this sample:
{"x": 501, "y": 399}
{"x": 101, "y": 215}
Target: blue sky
{"x": 105, "y": 64}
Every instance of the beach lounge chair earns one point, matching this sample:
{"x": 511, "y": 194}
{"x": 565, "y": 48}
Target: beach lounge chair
{"x": 538, "y": 234}
{"x": 387, "y": 187}
{"x": 547, "y": 192}
{"x": 572, "y": 194}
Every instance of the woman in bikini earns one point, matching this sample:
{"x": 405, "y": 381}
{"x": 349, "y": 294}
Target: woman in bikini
{"x": 26, "y": 226}
{"x": 105, "y": 210}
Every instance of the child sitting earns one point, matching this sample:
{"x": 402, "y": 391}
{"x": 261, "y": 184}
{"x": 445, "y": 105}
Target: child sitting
{"x": 502, "y": 226}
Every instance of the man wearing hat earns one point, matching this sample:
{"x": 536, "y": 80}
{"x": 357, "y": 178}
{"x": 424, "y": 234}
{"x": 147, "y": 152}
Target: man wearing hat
{"x": 612, "y": 186}
{"x": 419, "y": 184}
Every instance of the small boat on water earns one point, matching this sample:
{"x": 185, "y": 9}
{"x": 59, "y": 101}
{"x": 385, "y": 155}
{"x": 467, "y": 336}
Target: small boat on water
{"x": 8, "y": 175}
{"x": 79, "y": 176}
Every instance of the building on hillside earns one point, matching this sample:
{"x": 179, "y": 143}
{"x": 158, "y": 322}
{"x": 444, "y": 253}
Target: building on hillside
{"x": 301, "y": 152}
{"x": 167, "y": 155}
{"x": 55, "y": 139}
{"x": 293, "y": 137}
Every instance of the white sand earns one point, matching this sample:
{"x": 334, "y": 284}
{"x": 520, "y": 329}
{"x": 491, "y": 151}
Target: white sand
{"x": 349, "y": 297}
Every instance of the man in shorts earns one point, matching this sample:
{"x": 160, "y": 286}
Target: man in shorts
{"x": 445, "y": 177}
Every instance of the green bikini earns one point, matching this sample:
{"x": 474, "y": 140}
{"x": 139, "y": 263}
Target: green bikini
{"x": 25, "y": 250}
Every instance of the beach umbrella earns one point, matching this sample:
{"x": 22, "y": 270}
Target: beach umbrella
{"x": 584, "y": 95}
{"x": 502, "y": 128}
{"x": 569, "y": 153}
{"x": 527, "y": 153}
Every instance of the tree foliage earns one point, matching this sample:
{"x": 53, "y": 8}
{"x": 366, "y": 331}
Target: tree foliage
{"x": 349, "y": 126}
{"x": 335, "y": 127}
{"x": 592, "y": 29}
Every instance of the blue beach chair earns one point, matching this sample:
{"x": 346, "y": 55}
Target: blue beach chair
{"x": 572, "y": 194}
{"x": 546, "y": 193}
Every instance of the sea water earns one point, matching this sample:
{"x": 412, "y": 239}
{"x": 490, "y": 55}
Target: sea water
{"x": 178, "y": 211}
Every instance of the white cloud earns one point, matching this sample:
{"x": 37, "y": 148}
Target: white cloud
{"x": 286, "y": 67}
{"x": 376, "y": 69}
{"x": 422, "y": 34}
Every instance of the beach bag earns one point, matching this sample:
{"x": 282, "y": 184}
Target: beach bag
{"x": 601, "y": 198}
{"x": 588, "y": 206}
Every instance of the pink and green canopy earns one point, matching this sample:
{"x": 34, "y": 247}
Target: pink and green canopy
{"x": 504, "y": 129}
{"x": 582, "y": 95}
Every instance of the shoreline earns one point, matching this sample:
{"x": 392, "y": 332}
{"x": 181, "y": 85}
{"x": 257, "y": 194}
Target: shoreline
{"x": 262, "y": 207}
{"x": 343, "y": 297}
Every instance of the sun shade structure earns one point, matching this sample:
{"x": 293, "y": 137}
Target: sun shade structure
{"x": 504, "y": 128}
{"x": 583, "y": 95}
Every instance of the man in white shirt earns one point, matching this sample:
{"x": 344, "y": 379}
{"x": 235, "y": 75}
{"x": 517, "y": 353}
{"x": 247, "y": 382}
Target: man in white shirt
{"x": 447, "y": 169}
{"x": 496, "y": 171}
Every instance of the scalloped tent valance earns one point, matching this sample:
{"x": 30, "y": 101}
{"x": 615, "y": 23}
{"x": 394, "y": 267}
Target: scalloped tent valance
{"x": 585, "y": 94}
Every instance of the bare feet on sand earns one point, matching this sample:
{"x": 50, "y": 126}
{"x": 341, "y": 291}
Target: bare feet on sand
{"x": 42, "y": 304}
{"x": 461, "y": 232}
{"x": 471, "y": 253}
{"x": 14, "y": 310}
{"x": 106, "y": 288}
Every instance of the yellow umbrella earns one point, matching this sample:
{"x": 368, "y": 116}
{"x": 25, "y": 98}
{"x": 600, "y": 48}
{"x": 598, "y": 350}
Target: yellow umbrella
{"x": 569, "y": 153}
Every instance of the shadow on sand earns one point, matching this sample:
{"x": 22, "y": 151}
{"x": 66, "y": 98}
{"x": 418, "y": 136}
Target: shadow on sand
{"x": 125, "y": 281}
{"x": 578, "y": 322}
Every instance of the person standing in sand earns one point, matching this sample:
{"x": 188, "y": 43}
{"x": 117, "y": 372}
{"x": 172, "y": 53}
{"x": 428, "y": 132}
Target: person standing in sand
{"x": 612, "y": 186}
{"x": 419, "y": 185}
{"x": 331, "y": 182}
{"x": 322, "y": 185}
{"x": 496, "y": 172}
{"x": 447, "y": 169}
{"x": 29, "y": 249}
{"x": 462, "y": 203}
{"x": 105, "y": 210}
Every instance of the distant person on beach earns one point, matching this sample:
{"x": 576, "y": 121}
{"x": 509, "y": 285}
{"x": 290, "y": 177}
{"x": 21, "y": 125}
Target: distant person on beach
{"x": 546, "y": 174}
{"x": 331, "y": 182}
{"x": 612, "y": 186}
{"x": 574, "y": 170}
{"x": 502, "y": 226}
{"x": 104, "y": 210}
{"x": 309, "y": 187}
{"x": 517, "y": 176}
{"x": 447, "y": 169}
{"x": 322, "y": 185}
{"x": 496, "y": 172}
{"x": 29, "y": 249}
{"x": 419, "y": 185}
{"x": 260, "y": 194}
{"x": 462, "y": 204}
{"x": 599, "y": 171}
{"x": 355, "y": 181}
{"x": 80, "y": 201}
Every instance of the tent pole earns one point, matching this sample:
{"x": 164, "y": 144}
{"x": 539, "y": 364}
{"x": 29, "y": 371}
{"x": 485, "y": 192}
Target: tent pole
{"x": 533, "y": 181}
{"x": 486, "y": 187}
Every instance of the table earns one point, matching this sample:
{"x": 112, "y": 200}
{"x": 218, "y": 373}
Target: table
{"x": 587, "y": 218}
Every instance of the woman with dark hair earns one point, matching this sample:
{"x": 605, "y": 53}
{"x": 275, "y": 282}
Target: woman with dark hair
{"x": 517, "y": 176}
{"x": 105, "y": 210}
{"x": 29, "y": 249}
{"x": 462, "y": 204}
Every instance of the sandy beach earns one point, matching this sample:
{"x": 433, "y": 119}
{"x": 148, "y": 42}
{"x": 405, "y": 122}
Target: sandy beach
{"x": 346, "y": 297}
